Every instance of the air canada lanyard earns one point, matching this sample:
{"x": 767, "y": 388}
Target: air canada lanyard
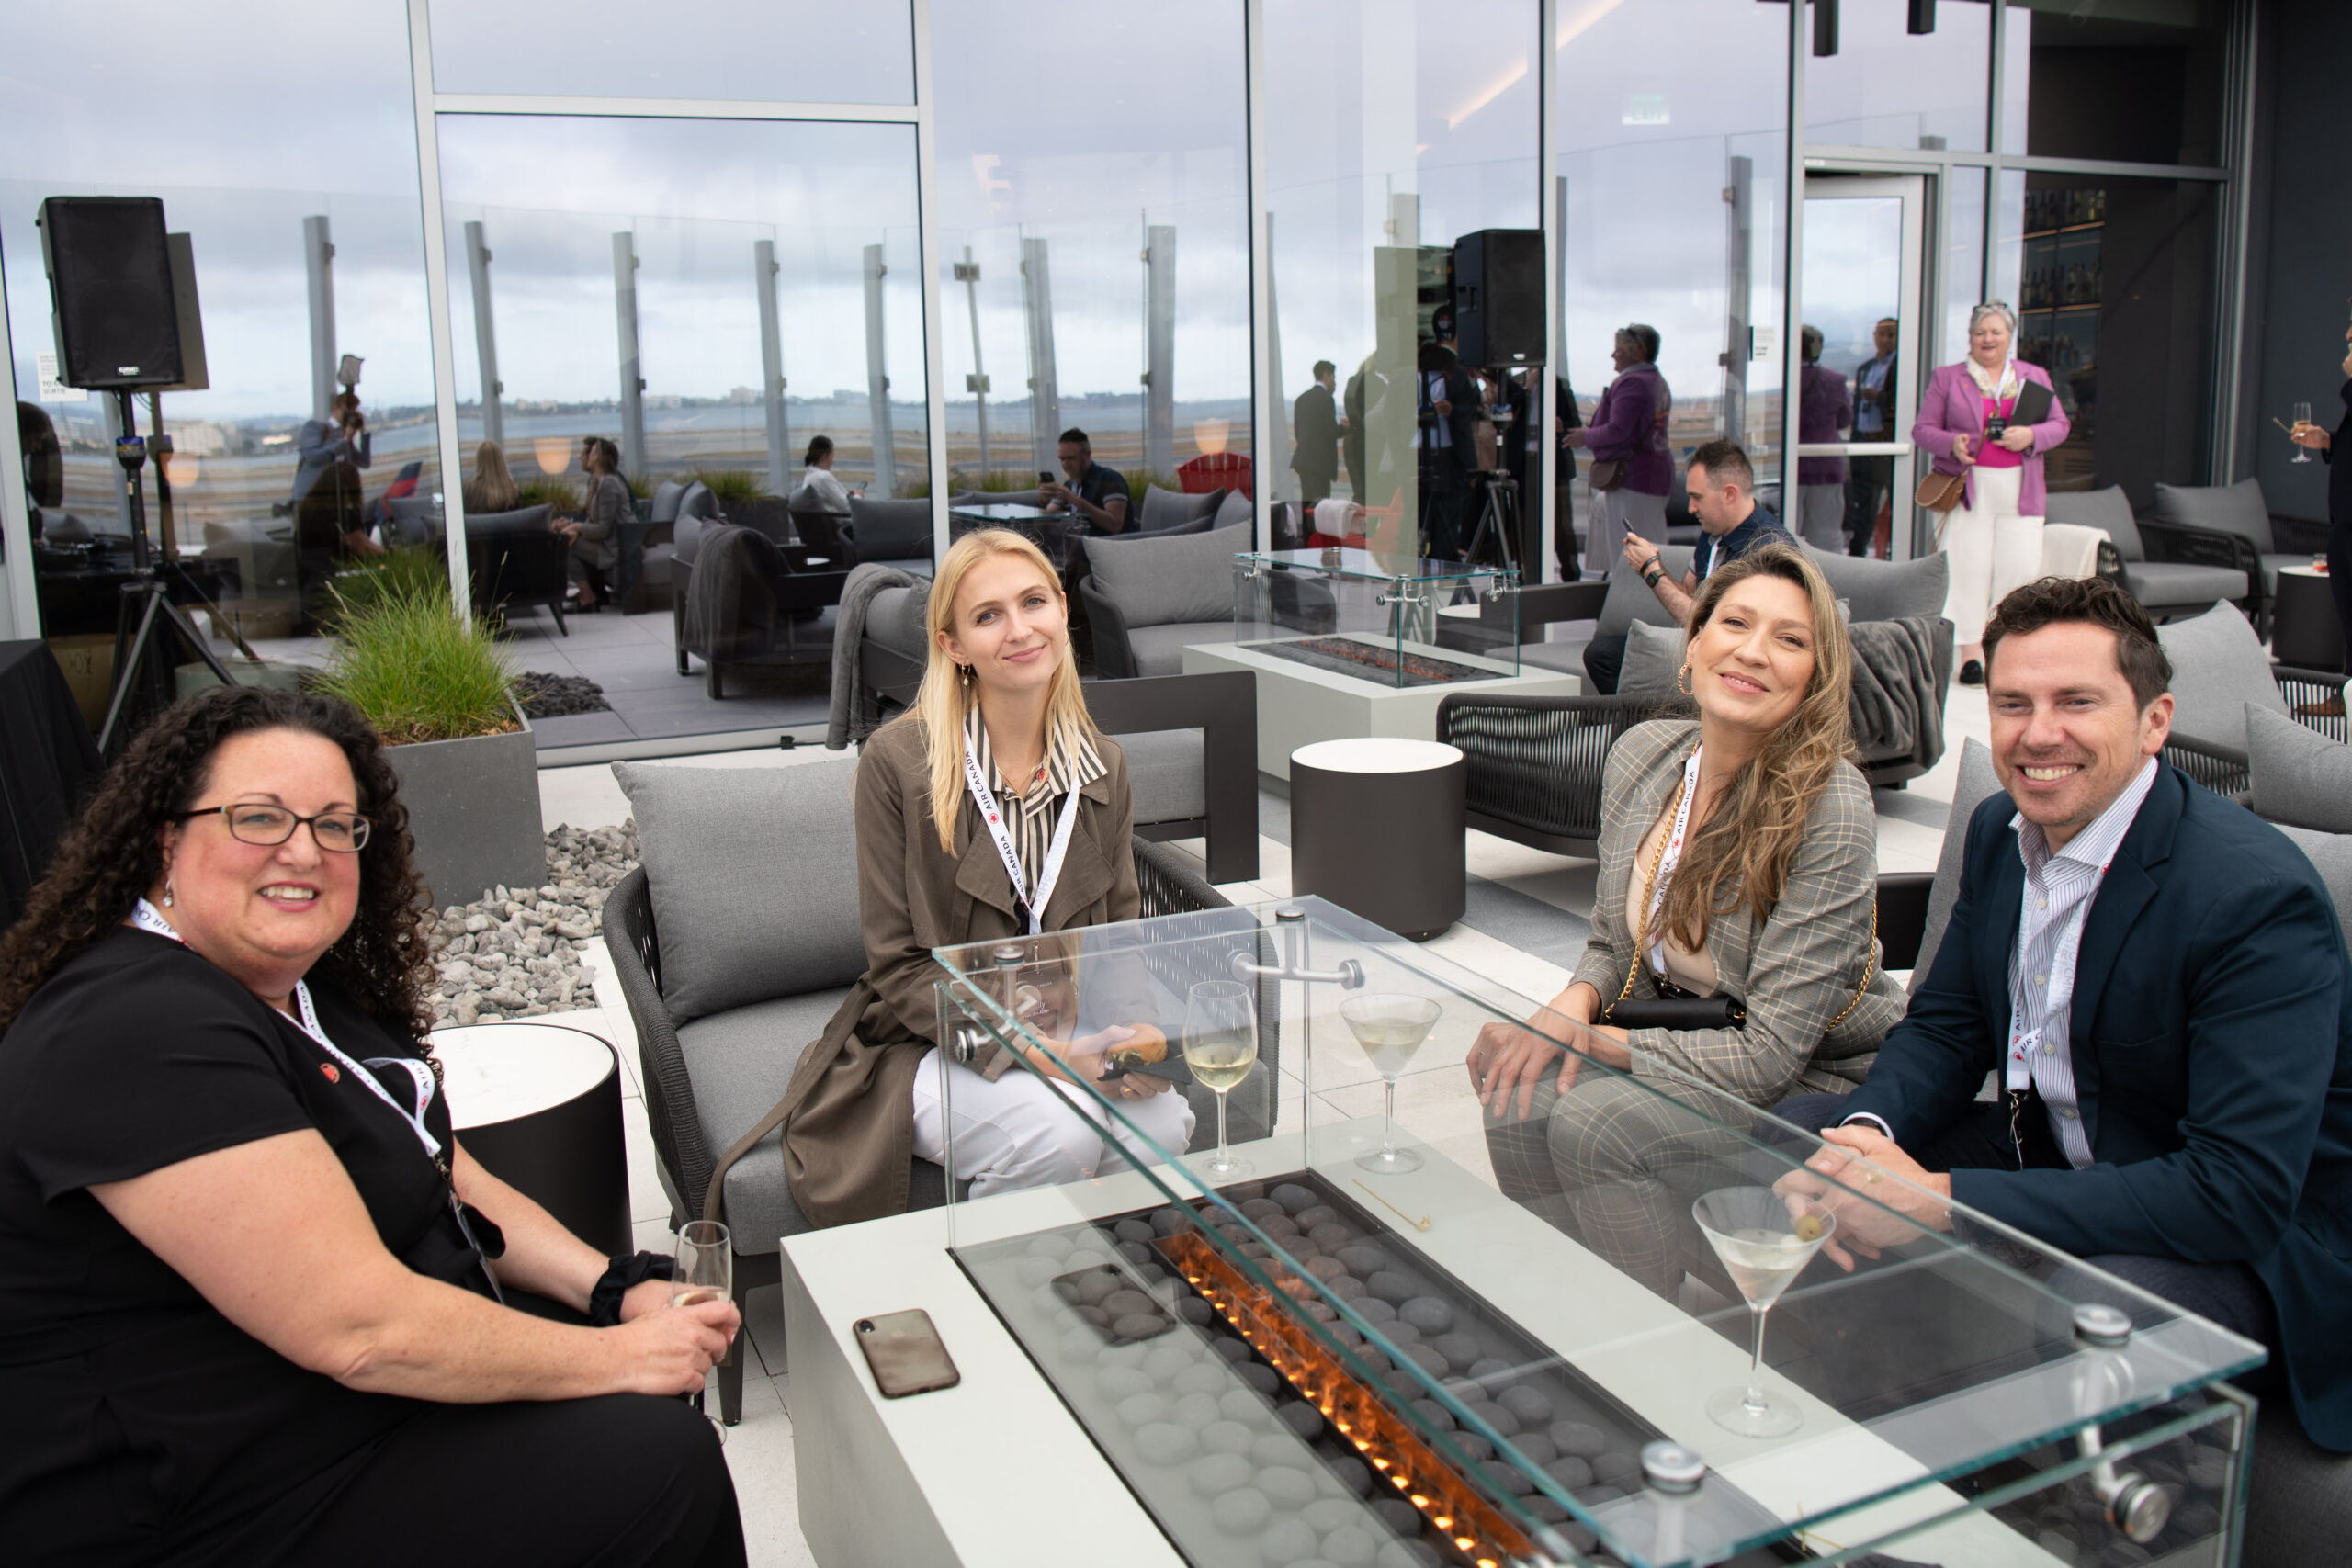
{"x": 1669, "y": 859}
{"x": 983, "y": 797}
{"x": 148, "y": 918}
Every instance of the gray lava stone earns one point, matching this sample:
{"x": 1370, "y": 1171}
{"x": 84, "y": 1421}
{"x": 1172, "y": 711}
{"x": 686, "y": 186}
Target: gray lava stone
{"x": 1510, "y": 1477}
{"x": 1288, "y": 1543}
{"x": 1532, "y": 1408}
{"x": 1241, "y": 1405}
{"x": 1243, "y": 1512}
{"x": 1396, "y": 1331}
{"x": 1227, "y": 1436}
{"x": 1570, "y": 1472}
{"x": 1139, "y": 1325}
{"x": 1275, "y": 1450}
{"x": 1599, "y": 1492}
{"x": 1535, "y": 1447}
{"x": 1543, "y": 1509}
{"x": 1375, "y": 1311}
{"x": 1324, "y": 1267}
{"x": 1352, "y": 1473}
{"x": 1259, "y": 1376}
{"x": 1295, "y": 1199}
{"x": 1233, "y": 1349}
{"x": 1080, "y": 1346}
{"x": 1428, "y": 1359}
{"x": 1171, "y": 1220}
{"x": 1503, "y": 1422}
{"x": 1436, "y": 1415}
{"x": 1137, "y": 1253}
{"x": 1394, "y": 1287}
{"x": 1053, "y": 1244}
{"x": 1034, "y": 1271}
{"x": 1330, "y": 1233}
{"x": 1257, "y": 1207}
{"x": 1200, "y": 1377}
{"x": 1132, "y": 1230}
{"x": 1194, "y": 1410}
{"x": 1329, "y": 1513}
{"x": 1116, "y": 1383}
{"x": 1215, "y": 1473}
{"x": 1167, "y": 1360}
{"x": 1473, "y": 1447}
{"x": 1118, "y": 1303}
{"x": 1092, "y": 1315}
{"x": 1427, "y": 1313}
{"x": 1617, "y": 1467}
{"x": 1086, "y": 1258}
{"x": 1317, "y": 1213}
{"x": 1300, "y": 1417}
{"x": 1194, "y": 1310}
{"x": 1164, "y": 1442}
{"x": 1321, "y": 1311}
{"x": 1349, "y": 1547}
{"x": 1142, "y": 1409}
{"x": 1347, "y": 1287}
{"x": 1094, "y": 1289}
{"x": 1375, "y": 1361}
{"x": 1286, "y": 1488}
{"x": 1579, "y": 1438}
{"x": 1397, "y": 1514}
{"x": 1490, "y": 1368}
{"x": 1364, "y": 1259}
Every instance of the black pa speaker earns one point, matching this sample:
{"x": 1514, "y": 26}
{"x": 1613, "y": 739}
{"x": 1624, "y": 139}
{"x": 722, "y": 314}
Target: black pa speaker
{"x": 111, "y": 286}
{"x": 1499, "y": 297}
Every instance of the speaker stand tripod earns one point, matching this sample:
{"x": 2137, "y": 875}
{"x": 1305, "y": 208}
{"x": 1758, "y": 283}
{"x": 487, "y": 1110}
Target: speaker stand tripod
{"x": 146, "y": 619}
{"x": 1498, "y": 523}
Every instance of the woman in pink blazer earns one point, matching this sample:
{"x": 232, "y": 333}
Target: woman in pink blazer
{"x": 1980, "y": 420}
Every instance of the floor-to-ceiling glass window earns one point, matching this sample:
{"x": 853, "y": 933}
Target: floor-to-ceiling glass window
{"x": 283, "y": 148}
{"x": 1394, "y": 130}
{"x": 1094, "y": 207}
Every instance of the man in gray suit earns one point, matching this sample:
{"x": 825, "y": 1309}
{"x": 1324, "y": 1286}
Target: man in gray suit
{"x": 341, "y": 437}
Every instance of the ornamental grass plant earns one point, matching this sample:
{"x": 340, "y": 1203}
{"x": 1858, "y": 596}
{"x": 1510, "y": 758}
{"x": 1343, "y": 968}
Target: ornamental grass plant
{"x": 418, "y": 670}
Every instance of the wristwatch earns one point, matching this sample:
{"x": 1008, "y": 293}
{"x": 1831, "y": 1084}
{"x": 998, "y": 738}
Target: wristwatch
{"x": 1654, "y": 570}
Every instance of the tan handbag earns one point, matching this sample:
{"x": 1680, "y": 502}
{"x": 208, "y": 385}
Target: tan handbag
{"x": 1606, "y": 474}
{"x": 1942, "y": 492}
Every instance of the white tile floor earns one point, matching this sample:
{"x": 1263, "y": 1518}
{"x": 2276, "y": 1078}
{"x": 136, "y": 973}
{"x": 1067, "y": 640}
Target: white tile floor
{"x": 760, "y": 1450}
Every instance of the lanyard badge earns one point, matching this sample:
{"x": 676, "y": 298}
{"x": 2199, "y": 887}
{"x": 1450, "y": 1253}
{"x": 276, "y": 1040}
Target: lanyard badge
{"x": 1032, "y": 910}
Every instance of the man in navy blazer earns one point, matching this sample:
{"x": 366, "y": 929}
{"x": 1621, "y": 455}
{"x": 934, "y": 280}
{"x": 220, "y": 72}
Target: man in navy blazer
{"x": 2158, "y": 977}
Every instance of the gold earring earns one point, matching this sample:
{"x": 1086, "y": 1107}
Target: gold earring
{"x": 963, "y": 675}
{"x": 1682, "y": 682}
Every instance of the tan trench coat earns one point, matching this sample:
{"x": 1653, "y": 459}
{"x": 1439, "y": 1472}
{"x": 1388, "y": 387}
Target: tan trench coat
{"x": 848, "y": 1122}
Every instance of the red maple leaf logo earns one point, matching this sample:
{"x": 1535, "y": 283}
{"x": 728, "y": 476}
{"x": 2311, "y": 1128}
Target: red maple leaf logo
{"x": 332, "y": 1075}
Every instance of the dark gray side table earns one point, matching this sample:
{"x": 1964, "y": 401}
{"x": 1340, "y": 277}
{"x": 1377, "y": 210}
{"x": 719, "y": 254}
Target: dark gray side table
{"x": 1377, "y": 828}
{"x": 2303, "y": 629}
{"x": 538, "y": 1105}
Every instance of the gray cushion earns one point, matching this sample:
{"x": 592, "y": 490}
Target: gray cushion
{"x": 699, "y": 501}
{"x": 1630, "y": 598}
{"x": 1652, "y": 661}
{"x": 2299, "y": 776}
{"x": 1166, "y": 508}
{"x": 412, "y": 520}
{"x": 1974, "y": 783}
{"x": 1197, "y": 526}
{"x": 2299, "y": 1495}
{"x": 1161, "y": 580}
{"x": 1160, "y": 650}
{"x": 1236, "y": 508}
{"x": 1166, "y": 772}
{"x": 2173, "y": 585}
{"x": 740, "y": 1063}
{"x": 666, "y": 496}
{"x": 522, "y": 520}
{"x": 890, "y": 530}
{"x": 2218, "y": 667}
{"x": 1567, "y": 658}
{"x": 894, "y": 617}
{"x": 2108, "y": 509}
{"x": 1884, "y": 589}
{"x": 2233, "y": 509}
{"x": 753, "y": 874}
{"x": 2331, "y": 856}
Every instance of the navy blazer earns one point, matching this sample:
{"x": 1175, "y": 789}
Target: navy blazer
{"x": 2212, "y": 1004}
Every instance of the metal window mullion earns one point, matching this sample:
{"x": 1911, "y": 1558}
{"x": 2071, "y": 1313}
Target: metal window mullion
{"x": 1793, "y": 257}
{"x": 1543, "y": 502}
{"x": 1996, "y": 89}
{"x": 927, "y": 239}
{"x": 22, "y": 593}
{"x": 1264, "y": 460}
{"x": 2237, "y": 202}
{"x": 692, "y": 108}
{"x": 436, "y": 306}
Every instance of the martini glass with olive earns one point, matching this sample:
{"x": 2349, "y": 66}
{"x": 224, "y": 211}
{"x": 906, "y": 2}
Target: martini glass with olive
{"x": 1764, "y": 1240}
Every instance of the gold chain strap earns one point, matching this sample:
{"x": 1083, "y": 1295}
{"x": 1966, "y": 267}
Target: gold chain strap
{"x": 1657, "y": 860}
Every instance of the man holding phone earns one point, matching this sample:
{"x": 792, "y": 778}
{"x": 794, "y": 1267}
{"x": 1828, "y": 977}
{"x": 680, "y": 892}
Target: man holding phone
{"x": 1094, "y": 492}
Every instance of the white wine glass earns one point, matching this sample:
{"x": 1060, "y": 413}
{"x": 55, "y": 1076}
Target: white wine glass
{"x": 1220, "y": 1047}
{"x": 2303, "y": 418}
{"x": 705, "y": 1264}
{"x": 1390, "y": 1026}
{"x": 1764, "y": 1240}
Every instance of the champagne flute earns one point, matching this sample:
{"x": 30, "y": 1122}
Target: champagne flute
{"x": 705, "y": 1264}
{"x": 1220, "y": 1047}
{"x": 1764, "y": 1240}
{"x": 1390, "y": 1026}
{"x": 2303, "y": 418}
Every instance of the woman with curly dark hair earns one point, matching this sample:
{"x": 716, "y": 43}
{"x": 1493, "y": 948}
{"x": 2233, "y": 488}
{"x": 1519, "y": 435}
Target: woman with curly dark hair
{"x": 248, "y": 1276}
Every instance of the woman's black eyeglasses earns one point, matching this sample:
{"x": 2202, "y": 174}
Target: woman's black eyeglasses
{"x": 341, "y": 832}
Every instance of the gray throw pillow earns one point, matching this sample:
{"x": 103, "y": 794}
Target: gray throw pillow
{"x": 1652, "y": 661}
{"x": 1977, "y": 781}
{"x": 1166, "y": 507}
{"x": 2108, "y": 509}
{"x": 2299, "y": 777}
{"x": 2331, "y": 856}
{"x": 2233, "y": 509}
{"x": 753, "y": 873}
{"x": 1884, "y": 589}
{"x": 2218, "y": 669}
{"x": 1233, "y": 508}
{"x": 1158, "y": 581}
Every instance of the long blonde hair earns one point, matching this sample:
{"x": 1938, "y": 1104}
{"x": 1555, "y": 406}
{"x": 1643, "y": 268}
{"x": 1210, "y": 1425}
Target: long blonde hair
{"x": 944, "y": 700}
{"x": 493, "y": 487}
{"x": 1742, "y": 854}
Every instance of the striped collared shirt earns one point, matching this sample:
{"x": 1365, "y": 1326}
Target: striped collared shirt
{"x": 1070, "y": 763}
{"x": 2059, "y": 890}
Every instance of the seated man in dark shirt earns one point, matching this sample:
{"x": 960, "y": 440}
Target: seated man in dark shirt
{"x": 1722, "y": 486}
{"x": 1094, "y": 492}
{"x": 2159, "y": 979}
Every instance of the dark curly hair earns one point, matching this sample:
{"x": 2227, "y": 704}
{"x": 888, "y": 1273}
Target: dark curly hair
{"x": 111, "y": 857}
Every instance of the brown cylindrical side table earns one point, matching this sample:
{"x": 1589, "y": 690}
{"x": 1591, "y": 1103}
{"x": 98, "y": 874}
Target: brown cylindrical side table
{"x": 1377, "y": 828}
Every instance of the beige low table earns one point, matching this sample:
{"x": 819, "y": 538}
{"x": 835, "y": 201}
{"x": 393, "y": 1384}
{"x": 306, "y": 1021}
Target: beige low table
{"x": 1299, "y": 705}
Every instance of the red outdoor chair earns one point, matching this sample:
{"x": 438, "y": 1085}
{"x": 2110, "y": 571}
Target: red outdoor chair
{"x": 1213, "y": 470}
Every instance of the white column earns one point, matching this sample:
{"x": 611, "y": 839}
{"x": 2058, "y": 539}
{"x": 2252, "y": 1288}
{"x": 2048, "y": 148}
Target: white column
{"x": 1159, "y": 350}
{"x": 1538, "y": 512}
{"x": 763, "y": 273}
{"x": 493, "y": 420}
{"x": 1267, "y": 454}
{"x": 1045, "y": 397}
{"x": 436, "y": 305}
{"x": 877, "y": 379}
{"x": 928, "y": 250}
{"x": 317, "y": 262}
{"x": 632, "y": 367}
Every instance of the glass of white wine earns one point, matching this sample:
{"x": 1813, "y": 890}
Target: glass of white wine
{"x": 2303, "y": 418}
{"x": 1390, "y": 1026}
{"x": 1220, "y": 1047}
{"x": 705, "y": 1264}
{"x": 1764, "y": 1240}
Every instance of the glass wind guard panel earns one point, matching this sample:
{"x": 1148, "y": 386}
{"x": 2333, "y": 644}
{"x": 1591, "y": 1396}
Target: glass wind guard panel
{"x": 1504, "y": 1307}
{"x": 1391, "y": 620}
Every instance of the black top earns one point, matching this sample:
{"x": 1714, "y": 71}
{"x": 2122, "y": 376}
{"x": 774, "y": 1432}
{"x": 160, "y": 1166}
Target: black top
{"x": 143, "y": 1425}
{"x": 1760, "y": 526}
{"x": 1096, "y": 486}
{"x": 2339, "y": 475}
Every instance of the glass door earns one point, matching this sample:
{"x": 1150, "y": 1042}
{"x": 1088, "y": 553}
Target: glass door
{"x": 1865, "y": 245}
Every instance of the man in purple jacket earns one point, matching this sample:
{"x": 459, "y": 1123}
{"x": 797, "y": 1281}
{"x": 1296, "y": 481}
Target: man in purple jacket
{"x": 1628, "y": 429}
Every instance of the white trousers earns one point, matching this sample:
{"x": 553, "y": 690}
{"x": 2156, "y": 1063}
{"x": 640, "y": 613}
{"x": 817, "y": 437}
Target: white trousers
{"x": 1018, "y": 1133}
{"x": 1993, "y": 552}
{"x": 1821, "y": 517}
{"x": 1613, "y": 514}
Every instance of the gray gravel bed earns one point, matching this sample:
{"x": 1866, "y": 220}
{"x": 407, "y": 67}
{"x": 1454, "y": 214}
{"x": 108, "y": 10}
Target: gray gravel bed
{"x": 516, "y": 954}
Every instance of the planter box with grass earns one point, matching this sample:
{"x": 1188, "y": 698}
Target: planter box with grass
{"x": 438, "y": 689}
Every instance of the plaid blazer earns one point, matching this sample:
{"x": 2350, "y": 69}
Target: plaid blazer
{"x": 1794, "y": 974}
